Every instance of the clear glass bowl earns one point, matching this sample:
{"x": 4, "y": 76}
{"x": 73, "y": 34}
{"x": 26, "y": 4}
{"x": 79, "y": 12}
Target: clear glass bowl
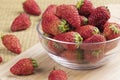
{"x": 86, "y": 56}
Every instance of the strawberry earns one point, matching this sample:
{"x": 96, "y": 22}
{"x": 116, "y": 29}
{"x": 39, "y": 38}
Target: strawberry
{"x": 99, "y": 16}
{"x": 111, "y": 30}
{"x": 93, "y": 56}
{"x": 84, "y": 20}
{"x": 70, "y": 14}
{"x": 57, "y": 75}
{"x": 74, "y": 56}
{"x": 51, "y": 24}
{"x": 87, "y": 31}
{"x": 24, "y": 66}
{"x": 85, "y": 7}
{"x": 21, "y": 22}
{"x": 72, "y": 37}
{"x": 31, "y": 7}
{"x": 12, "y": 43}
{"x": 51, "y": 9}
{"x": 0, "y": 59}
{"x": 55, "y": 47}
{"x": 111, "y": 45}
{"x": 96, "y": 38}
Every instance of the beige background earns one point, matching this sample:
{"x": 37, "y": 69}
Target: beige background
{"x": 9, "y": 9}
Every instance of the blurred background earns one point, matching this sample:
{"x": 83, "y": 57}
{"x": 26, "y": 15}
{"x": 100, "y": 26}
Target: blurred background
{"x": 9, "y": 9}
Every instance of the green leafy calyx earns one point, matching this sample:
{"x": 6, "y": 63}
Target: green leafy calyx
{"x": 79, "y": 4}
{"x": 34, "y": 62}
{"x": 64, "y": 26}
{"x": 114, "y": 29}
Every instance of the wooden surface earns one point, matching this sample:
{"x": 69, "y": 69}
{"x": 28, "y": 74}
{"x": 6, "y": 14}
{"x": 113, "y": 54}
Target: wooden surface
{"x": 9, "y": 9}
{"x": 110, "y": 71}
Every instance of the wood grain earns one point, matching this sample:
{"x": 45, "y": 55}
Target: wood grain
{"x": 110, "y": 71}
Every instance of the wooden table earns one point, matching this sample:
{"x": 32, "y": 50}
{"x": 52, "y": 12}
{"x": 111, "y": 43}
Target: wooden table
{"x": 110, "y": 71}
{"x": 9, "y": 9}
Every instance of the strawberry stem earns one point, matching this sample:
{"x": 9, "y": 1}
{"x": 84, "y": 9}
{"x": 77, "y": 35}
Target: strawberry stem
{"x": 85, "y": 21}
{"x": 114, "y": 29}
{"x": 54, "y": 68}
{"x": 96, "y": 31}
{"x": 34, "y": 62}
{"x": 63, "y": 27}
{"x": 78, "y": 38}
{"x": 80, "y": 54}
{"x": 96, "y": 53}
{"x": 79, "y": 4}
{"x": 2, "y": 35}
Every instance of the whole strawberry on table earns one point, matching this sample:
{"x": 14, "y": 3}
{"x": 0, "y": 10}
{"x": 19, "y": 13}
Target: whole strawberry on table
{"x": 12, "y": 43}
{"x": 24, "y": 66}
{"x": 83, "y": 25}
{"x": 57, "y": 75}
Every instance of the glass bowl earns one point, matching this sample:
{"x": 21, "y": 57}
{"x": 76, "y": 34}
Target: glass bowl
{"x": 86, "y": 56}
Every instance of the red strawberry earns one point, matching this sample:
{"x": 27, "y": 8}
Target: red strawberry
{"x": 73, "y": 37}
{"x": 84, "y": 20}
{"x": 111, "y": 30}
{"x": 74, "y": 56}
{"x": 0, "y": 59}
{"x": 55, "y": 47}
{"x": 51, "y": 9}
{"x": 70, "y": 14}
{"x": 93, "y": 56}
{"x": 24, "y": 66}
{"x": 94, "y": 39}
{"x": 31, "y": 7}
{"x": 12, "y": 43}
{"x": 21, "y": 22}
{"x": 99, "y": 16}
{"x": 57, "y": 75}
{"x": 111, "y": 45}
{"x": 85, "y": 7}
{"x": 51, "y": 24}
{"x": 87, "y": 31}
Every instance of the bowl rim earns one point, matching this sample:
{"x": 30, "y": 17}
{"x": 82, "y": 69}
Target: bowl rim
{"x": 58, "y": 41}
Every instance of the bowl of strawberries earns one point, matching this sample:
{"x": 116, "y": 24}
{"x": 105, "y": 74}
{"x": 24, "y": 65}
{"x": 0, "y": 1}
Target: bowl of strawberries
{"x": 79, "y": 36}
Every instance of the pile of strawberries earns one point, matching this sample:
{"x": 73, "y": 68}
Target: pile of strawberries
{"x": 76, "y": 27}
{"x": 26, "y": 66}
